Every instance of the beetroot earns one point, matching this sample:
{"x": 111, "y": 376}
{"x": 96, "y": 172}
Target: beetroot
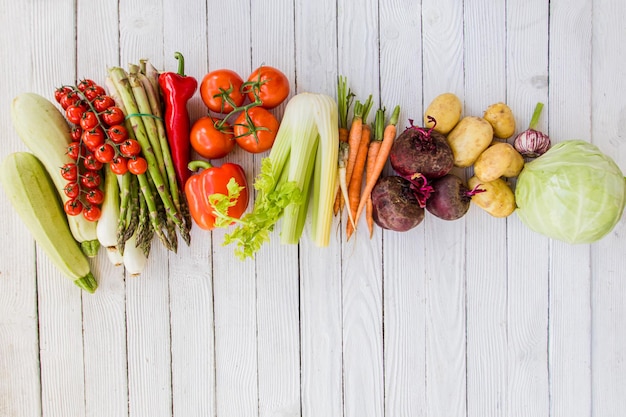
{"x": 419, "y": 150}
{"x": 396, "y": 204}
{"x": 450, "y": 199}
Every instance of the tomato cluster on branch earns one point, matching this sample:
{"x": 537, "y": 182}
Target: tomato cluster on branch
{"x": 99, "y": 138}
{"x": 244, "y": 112}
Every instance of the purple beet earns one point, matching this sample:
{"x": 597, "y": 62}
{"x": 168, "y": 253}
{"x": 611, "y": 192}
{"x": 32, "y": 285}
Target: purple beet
{"x": 450, "y": 198}
{"x": 396, "y": 205}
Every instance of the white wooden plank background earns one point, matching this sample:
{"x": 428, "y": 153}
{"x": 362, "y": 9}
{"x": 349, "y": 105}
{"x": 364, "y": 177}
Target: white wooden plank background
{"x": 477, "y": 317}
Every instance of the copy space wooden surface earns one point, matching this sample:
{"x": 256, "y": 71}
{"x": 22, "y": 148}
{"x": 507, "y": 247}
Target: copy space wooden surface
{"x": 477, "y": 317}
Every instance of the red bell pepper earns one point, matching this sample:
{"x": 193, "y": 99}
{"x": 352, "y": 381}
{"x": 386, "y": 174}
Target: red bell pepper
{"x": 212, "y": 184}
{"x": 177, "y": 90}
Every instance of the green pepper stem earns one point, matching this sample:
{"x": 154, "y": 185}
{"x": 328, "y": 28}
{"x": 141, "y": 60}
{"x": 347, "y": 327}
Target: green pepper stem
{"x": 181, "y": 63}
{"x": 535, "y": 119}
{"x": 196, "y": 165}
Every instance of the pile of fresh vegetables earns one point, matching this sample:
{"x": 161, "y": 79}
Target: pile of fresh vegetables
{"x": 111, "y": 165}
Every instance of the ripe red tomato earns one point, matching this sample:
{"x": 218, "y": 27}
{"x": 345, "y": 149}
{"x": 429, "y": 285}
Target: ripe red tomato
{"x": 61, "y": 92}
{"x": 74, "y": 113}
{"x": 73, "y": 150}
{"x": 94, "y": 91}
{"x": 77, "y": 132}
{"x": 72, "y": 190}
{"x": 113, "y": 116}
{"x": 104, "y": 153}
{"x": 92, "y": 212}
{"x": 73, "y": 207}
{"x": 256, "y": 131}
{"x": 118, "y": 133}
{"x": 210, "y": 142}
{"x": 119, "y": 165}
{"x": 85, "y": 83}
{"x": 219, "y": 87}
{"x": 103, "y": 102}
{"x": 69, "y": 172}
{"x": 68, "y": 99}
{"x": 269, "y": 84}
{"x": 130, "y": 147}
{"x": 91, "y": 163}
{"x": 88, "y": 120}
{"x": 94, "y": 196}
{"x": 93, "y": 138}
{"x": 137, "y": 165}
{"x": 91, "y": 179}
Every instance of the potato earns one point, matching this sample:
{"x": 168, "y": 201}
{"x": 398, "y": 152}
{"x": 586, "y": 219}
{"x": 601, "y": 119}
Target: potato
{"x": 469, "y": 138}
{"x": 501, "y": 118}
{"x": 498, "y": 160}
{"x": 446, "y": 110}
{"x": 497, "y": 199}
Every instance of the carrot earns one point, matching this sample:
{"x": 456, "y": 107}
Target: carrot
{"x": 388, "y": 136}
{"x": 345, "y": 96}
{"x": 356, "y": 182}
{"x": 372, "y": 152}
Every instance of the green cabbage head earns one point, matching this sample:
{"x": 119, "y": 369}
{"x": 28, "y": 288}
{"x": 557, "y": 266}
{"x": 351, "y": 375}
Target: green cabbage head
{"x": 573, "y": 193}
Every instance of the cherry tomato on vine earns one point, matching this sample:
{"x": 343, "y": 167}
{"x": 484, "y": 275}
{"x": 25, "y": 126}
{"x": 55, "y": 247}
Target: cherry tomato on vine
{"x": 85, "y": 83}
{"x": 137, "y": 165}
{"x": 103, "y": 102}
{"x": 113, "y": 116}
{"x": 73, "y": 150}
{"x": 91, "y": 163}
{"x": 93, "y": 138}
{"x": 76, "y": 133}
{"x": 104, "y": 153}
{"x": 92, "y": 92}
{"x": 72, "y": 190}
{"x": 73, "y": 207}
{"x": 61, "y": 92}
{"x": 94, "y": 196}
{"x": 119, "y": 165}
{"x": 270, "y": 84}
{"x": 74, "y": 113}
{"x": 88, "y": 120}
{"x": 69, "y": 171}
{"x": 117, "y": 133}
{"x": 210, "y": 142}
{"x": 68, "y": 99}
{"x": 91, "y": 179}
{"x": 130, "y": 147}
{"x": 255, "y": 130}
{"x": 92, "y": 212}
{"x": 219, "y": 87}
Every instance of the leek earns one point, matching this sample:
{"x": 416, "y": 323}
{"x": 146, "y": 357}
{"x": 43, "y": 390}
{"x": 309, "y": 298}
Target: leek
{"x": 106, "y": 228}
{"x": 299, "y": 174}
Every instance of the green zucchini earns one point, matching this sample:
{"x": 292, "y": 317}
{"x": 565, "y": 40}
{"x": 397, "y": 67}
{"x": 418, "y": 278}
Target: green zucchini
{"x": 44, "y": 130}
{"x": 34, "y": 197}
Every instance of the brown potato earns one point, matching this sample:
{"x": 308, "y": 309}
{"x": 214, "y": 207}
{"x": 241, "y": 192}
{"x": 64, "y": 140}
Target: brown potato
{"x": 501, "y": 118}
{"x": 498, "y": 160}
{"x": 497, "y": 199}
{"x": 469, "y": 138}
{"x": 446, "y": 110}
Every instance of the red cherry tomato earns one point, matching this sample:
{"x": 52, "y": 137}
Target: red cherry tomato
{"x": 61, "y": 92}
{"x": 91, "y": 179}
{"x": 73, "y": 207}
{"x": 210, "y": 142}
{"x": 255, "y": 130}
{"x": 137, "y": 165}
{"x": 117, "y": 133}
{"x": 73, "y": 150}
{"x": 94, "y": 91}
{"x": 74, "y": 113}
{"x": 92, "y": 212}
{"x": 130, "y": 147}
{"x": 119, "y": 165}
{"x": 91, "y": 163}
{"x": 69, "y": 172}
{"x": 88, "y": 120}
{"x": 85, "y": 83}
{"x": 76, "y": 133}
{"x": 103, "y": 102}
{"x": 104, "y": 153}
{"x": 93, "y": 138}
{"x": 113, "y": 116}
{"x": 94, "y": 196}
{"x": 68, "y": 99}
{"x": 72, "y": 190}
{"x": 269, "y": 84}
{"x": 220, "y": 89}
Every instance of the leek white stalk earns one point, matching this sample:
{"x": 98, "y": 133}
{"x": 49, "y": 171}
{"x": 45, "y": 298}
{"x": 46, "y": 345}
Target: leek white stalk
{"x": 134, "y": 258}
{"x": 106, "y": 228}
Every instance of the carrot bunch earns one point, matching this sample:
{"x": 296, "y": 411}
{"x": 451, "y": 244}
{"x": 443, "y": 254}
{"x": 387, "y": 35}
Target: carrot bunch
{"x": 363, "y": 152}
